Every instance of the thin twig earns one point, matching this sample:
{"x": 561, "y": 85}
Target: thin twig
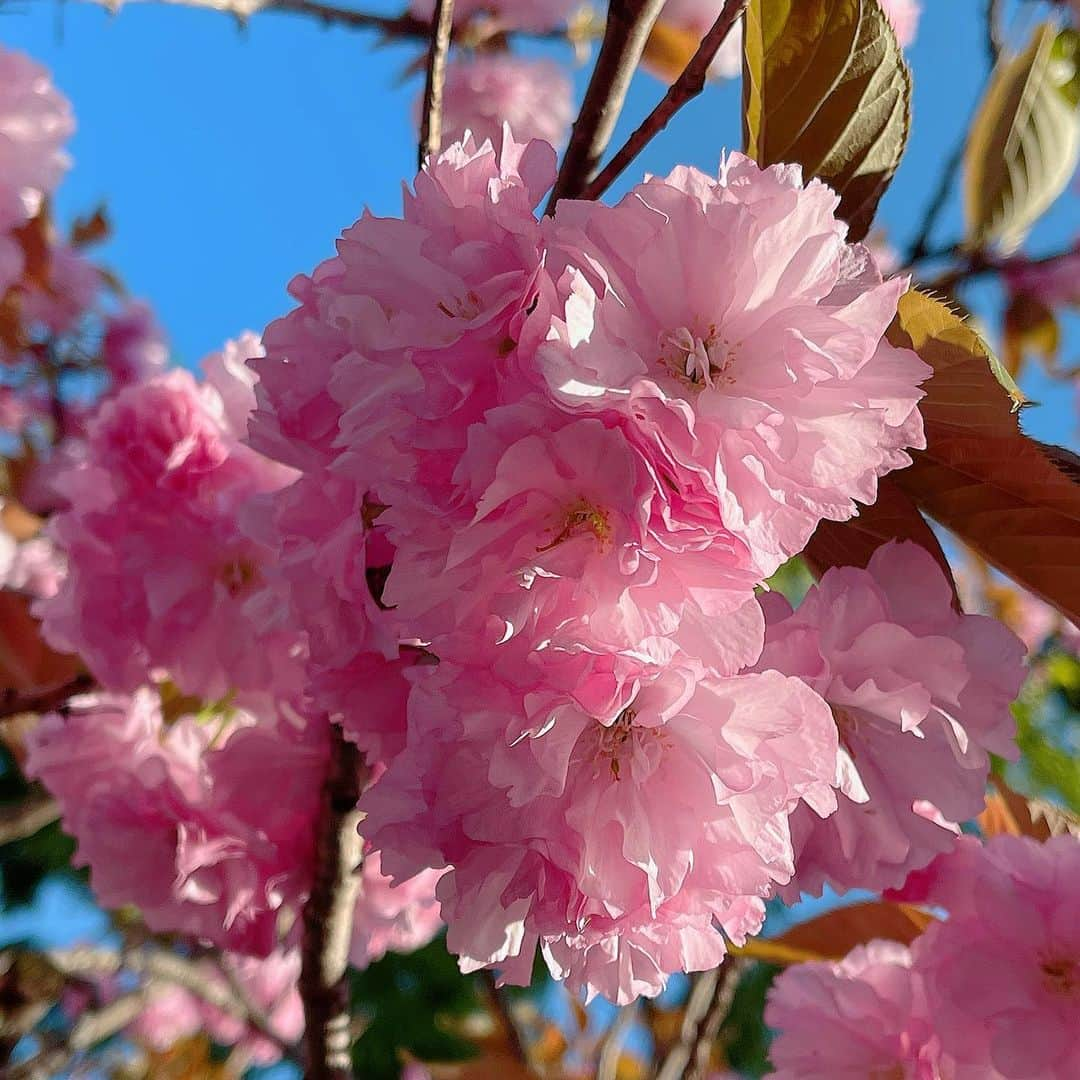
{"x": 629, "y": 23}
{"x": 328, "y": 916}
{"x": 607, "y": 1063}
{"x": 399, "y": 26}
{"x": 994, "y": 37}
{"x": 166, "y": 967}
{"x": 12, "y": 703}
{"x": 30, "y": 815}
{"x": 90, "y": 1029}
{"x": 685, "y": 88}
{"x": 431, "y": 117}
{"x": 708, "y": 1005}
{"x": 500, "y": 1009}
{"x": 920, "y": 245}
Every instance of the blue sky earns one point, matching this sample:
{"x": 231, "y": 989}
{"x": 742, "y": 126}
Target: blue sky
{"x": 231, "y": 158}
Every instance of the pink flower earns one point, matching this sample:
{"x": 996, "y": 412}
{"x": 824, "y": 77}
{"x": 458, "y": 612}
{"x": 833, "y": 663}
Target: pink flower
{"x": 486, "y": 91}
{"x": 772, "y": 391}
{"x": 1002, "y": 974}
{"x": 904, "y": 16}
{"x": 136, "y": 797}
{"x": 34, "y": 566}
{"x": 35, "y": 122}
{"x": 695, "y": 18}
{"x": 1055, "y": 283}
{"x": 392, "y": 918}
{"x": 640, "y": 837}
{"x": 133, "y": 347}
{"x": 921, "y": 695}
{"x": 161, "y": 575}
{"x": 174, "y": 1013}
{"x": 863, "y": 1017}
{"x": 509, "y": 14}
{"x": 74, "y": 284}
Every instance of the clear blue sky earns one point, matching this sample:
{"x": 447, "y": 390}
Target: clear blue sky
{"x": 231, "y": 158}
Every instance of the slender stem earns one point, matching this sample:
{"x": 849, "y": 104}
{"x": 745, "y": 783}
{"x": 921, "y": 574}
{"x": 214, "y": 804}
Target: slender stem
{"x": 607, "y": 1064}
{"x": 707, "y": 1007}
{"x": 431, "y": 117}
{"x": 994, "y": 37}
{"x": 12, "y": 703}
{"x": 920, "y": 245}
{"x": 685, "y": 88}
{"x": 500, "y": 1009}
{"x": 629, "y": 23}
{"x": 22, "y": 819}
{"x": 328, "y": 915}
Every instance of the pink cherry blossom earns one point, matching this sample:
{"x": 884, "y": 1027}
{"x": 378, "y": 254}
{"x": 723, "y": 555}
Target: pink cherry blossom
{"x": 904, "y": 16}
{"x": 863, "y": 1017}
{"x": 174, "y": 1013}
{"x": 658, "y": 329}
{"x": 921, "y": 696}
{"x": 483, "y": 92}
{"x": 647, "y": 833}
{"x": 392, "y": 918}
{"x": 74, "y": 284}
{"x": 35, "y": 122}
{"x": 133, "y": 347}
{"x": 161, "y": 574}
{"x": 34, "y": 567}
{"x": 1002, "y": 974}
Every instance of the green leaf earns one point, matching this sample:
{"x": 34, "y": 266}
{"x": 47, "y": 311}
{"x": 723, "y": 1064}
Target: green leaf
{"x": 1024, "y": 142}
{"x": 1002, "y": 493}
{"x": 825, "y": 86}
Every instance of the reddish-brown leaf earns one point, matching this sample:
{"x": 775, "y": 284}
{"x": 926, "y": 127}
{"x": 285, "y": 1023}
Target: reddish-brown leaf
{"x": 27, "y": 664}
{"x": 833, "y": 935}
{"x": 980, "y": 476}
{"x": 852, "y": 543}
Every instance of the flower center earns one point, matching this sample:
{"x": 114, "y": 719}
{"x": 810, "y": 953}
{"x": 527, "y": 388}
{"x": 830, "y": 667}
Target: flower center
{"x": 615, "y": 737}
{"x": 467, "y": 307}
{"x": 697, "y": 360}
{"x": 580, "y": 519}
{"x": 238, "y": 575}
{"x": 847, "y": 726}
{"x": 1061, "y": 975}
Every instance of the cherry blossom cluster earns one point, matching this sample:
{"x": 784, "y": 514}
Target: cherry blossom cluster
{"x": 162, "y": 776}
{"x": 993, "y": 991}
{"x": 66, "y": 339}
{"x": 543, "y": 466}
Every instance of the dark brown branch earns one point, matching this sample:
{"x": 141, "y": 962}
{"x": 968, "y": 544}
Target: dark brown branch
{"x": 30, "y": 815}
{"x": 629, "y": 23}
{"x": 12, "y": 703}
{"x": 708, "y": 1006}
{"x": 328, "y": 916}
{"x": 685, "y": 88}
{"x": 500, "y": 1010}
{"x": 431, "y": 116}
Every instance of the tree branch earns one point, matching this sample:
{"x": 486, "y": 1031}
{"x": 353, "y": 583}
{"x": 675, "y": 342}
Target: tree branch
{"x": 12, "y": 703}
{"x": 994, "y": 37}
{"x": 90, "y": 1029}
{"x": 707, "y": 1007}
{"x": 685, "y": 88}
{"x": 30, "y": 815}
{"x": 431, "y": 117}
{"x": 629, "y": 23}
{"x": 607, "y": 1063}
{"x": 501, "y": 1011}
{"x": 166, "y": 967}
{"x": 328, "y": 916}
